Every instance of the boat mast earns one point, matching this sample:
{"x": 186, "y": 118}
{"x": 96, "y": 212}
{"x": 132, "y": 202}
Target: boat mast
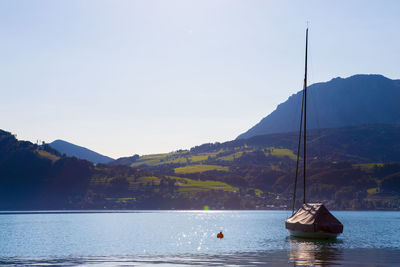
{"x": 305, "y": 122}
{"x": 303, "y": 108}
{"x": 298, "y": 154}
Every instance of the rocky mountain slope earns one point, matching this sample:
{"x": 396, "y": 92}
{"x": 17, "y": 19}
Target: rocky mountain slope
{"x": 354, "y": 101}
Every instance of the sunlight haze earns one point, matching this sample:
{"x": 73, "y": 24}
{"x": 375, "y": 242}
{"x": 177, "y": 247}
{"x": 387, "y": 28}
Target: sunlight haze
{"x": 141, "y": 77}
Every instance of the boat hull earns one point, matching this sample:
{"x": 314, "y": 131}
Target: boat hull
{"x": 313, "y": 235}
{"x": 313, "y": 220}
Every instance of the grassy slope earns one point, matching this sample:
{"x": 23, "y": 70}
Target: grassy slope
{"x": 224, "y": 155}
{"x": 282, "y": 152}
{"x": 47, "y": 155}
{"x": 199, "y": 168}
{"x": 368, "y": 166}
{"x": 185, "y": 185}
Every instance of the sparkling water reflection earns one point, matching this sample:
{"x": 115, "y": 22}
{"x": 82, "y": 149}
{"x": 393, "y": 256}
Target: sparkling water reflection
{"x": 183, "y": 238}
{"x": 314, "y": 252}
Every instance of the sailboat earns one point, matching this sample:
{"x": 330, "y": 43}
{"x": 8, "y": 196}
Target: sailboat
{"x": 311, "y": 220}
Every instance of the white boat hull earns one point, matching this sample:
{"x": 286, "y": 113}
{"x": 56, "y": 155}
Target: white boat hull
{"x": 313, "y": 235}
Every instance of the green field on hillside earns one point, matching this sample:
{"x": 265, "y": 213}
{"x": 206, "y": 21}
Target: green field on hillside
{"x": 187, "y": 158}
{"x": 231, "y": 157}
{"x": 159, "y": 159}
{"x": 199, "y": 158}
{"x": 183, "y": 185}
{"x": 200, "y": 168}
{"x": 282, "y": 152}
{"x": 368, "y": 166}
{"x": 190, "y": 185}
{"x": 48, "y": 155}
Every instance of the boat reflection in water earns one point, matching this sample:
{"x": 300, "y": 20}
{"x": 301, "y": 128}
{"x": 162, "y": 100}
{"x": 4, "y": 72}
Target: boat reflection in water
{"x": 306, "y": 252}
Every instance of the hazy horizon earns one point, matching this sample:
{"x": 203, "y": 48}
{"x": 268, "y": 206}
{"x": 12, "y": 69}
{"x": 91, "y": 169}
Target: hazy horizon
{"x": 142, "y": 77}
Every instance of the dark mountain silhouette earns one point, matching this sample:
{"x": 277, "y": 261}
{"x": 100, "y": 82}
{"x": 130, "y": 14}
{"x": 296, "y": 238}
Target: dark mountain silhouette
{"x": 357, "y": 100}
{"x": 33, "y": 176}
{"x": 80, "y": 152}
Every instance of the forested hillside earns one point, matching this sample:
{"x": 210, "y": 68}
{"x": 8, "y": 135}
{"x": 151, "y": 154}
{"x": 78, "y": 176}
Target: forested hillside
{"x": 39, "y": 177}
{"x": 256, "y": 173}
{"x": 345, "y": 165}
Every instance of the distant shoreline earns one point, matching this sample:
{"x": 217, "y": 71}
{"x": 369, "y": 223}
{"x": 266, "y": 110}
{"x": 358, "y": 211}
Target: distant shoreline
{"x": 80, "y": 211}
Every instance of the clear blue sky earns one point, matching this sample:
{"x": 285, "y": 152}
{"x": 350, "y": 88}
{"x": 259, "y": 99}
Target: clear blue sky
{"x": 126, "y": 77}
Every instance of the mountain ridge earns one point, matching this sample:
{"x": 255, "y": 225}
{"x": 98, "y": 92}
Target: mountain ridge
{"x": 341, "y": 102}
{"x": 356, "y": 167}
{"x": 73, "y": 150}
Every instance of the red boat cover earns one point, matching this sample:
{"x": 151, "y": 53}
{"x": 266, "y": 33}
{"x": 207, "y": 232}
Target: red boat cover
{"x": 314, "y": 217}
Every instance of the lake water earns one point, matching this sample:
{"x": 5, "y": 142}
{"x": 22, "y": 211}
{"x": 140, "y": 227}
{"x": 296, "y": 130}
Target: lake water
{"x": 184, "y": 238}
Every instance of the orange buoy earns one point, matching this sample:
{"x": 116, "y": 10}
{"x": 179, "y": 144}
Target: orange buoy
{"x": 220, "y": 235}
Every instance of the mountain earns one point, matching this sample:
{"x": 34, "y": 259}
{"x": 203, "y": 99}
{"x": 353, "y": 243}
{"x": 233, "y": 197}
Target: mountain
{"x": 38, "y": 177}
{"x": 356, "y": 144}
{"x": 72, "y": 150}
{"x": 349, "y": 167}
{"x": 358, "y": 100}
{"x": 354, "y": 171}
{"x": 376, "y": 143}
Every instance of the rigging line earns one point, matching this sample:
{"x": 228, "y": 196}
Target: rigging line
{"x": 298, "y": 153}
{"x": 305, "y": 122}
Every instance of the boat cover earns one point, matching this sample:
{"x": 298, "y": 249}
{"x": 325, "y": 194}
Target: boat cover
{"x": 314, "y": 217}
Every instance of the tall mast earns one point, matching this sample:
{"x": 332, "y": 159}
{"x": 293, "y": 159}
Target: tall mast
{"x": 303, "y": 112}
{"x": 298, "y": 154}
{"x": 305, "y": 122}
